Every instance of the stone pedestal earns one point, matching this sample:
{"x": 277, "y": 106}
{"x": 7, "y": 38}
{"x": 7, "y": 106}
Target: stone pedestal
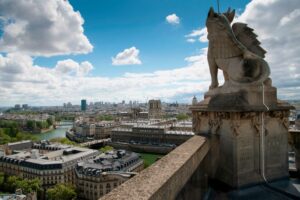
{"x": 237, "y": 157}
{"x": 295, "y": 141}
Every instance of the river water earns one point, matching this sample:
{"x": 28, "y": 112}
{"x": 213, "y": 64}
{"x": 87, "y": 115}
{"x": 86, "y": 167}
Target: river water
{"x": 60, "y": 131}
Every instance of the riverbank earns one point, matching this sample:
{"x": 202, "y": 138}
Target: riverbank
{"x": 51, "y": 128}
{"x": 59, "y": 132}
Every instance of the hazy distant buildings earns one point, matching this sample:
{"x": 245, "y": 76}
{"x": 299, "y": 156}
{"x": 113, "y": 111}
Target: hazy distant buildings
{"x": 83, "y": 105}
{"x": 194, "y": 101}
{"x": 88, "y": 128}
{"x": 155, "y": 110}
{"x": 25, "y": 106}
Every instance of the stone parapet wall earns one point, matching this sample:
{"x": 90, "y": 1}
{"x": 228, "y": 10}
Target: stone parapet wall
{"x": 166, "y": 178}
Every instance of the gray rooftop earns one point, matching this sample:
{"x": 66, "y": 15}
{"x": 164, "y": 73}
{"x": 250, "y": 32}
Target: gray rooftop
{"x": 112, "y": 161}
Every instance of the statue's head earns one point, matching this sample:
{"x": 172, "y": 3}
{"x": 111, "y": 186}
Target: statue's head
{"x": 217, "y": 21}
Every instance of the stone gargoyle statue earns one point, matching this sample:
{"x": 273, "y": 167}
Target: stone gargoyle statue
{"x": 235, "y": 50}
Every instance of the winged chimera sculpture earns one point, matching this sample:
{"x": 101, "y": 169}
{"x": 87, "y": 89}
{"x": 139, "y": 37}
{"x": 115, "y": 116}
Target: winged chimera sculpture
{"x": 236, "y": 51}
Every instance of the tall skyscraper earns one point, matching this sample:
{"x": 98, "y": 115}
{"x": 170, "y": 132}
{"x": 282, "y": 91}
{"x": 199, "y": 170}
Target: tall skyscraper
{"x": 83, "y": 105}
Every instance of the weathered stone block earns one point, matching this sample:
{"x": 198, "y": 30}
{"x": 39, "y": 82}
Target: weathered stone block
{"x": 239, "y": 142}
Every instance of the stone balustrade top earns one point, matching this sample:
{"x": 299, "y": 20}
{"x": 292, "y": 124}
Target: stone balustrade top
{"x": 165, "y": 178}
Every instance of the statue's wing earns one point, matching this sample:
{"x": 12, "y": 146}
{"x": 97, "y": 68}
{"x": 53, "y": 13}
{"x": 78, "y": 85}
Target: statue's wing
{"x": 248, "y": 38}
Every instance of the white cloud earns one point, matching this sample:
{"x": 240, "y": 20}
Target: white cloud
{"x": 279, "y": 35}
{"x": 22, "y": 81}
{"x": 200, "y": 34}
{"x": 61, "y": 83}
{"x": 84, "y": 68}
{"x": 42, "y": 28}
{"x": 290, "y": 17}
{"x": 173, "y": 19}
{"x": 71, "y": 67}
{"x": 128, "y": 56}
{"x": 191, "y": 40}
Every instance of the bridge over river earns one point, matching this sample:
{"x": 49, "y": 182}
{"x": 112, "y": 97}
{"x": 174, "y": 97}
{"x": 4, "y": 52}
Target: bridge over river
{"x": 95, "y": 143}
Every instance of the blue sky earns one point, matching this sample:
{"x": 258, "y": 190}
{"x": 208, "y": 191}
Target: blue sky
{"x": 58, "y": 51}
{"x": 114, "y": 25}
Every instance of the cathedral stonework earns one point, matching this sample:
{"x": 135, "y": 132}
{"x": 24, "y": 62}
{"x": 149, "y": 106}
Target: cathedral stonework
{"x": 243, "y": 118}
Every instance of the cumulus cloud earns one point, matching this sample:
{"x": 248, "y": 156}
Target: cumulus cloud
{"x": 173, "y": 19}
{"x": 61, "y": 83}
{"x": 42, "y": 28}
{"x": 279, "y": 35}
{"x": 199, "y": 34}
{"x": 128, "y": 56}
{"x": 66, "y": 81}
{"x": 70, "y": 67}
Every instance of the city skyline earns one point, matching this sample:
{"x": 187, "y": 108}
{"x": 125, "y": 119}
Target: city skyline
{"x": 64, "y": 51}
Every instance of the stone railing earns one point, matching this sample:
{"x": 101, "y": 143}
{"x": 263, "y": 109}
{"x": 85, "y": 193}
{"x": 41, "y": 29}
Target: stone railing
{"x": 169, "y": 177}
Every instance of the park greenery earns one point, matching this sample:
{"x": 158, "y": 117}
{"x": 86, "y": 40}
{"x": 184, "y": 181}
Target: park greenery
{"x": 150, "y": 158}
{"x": 9, "y": 184}
{"x": 64, "y": 117}
{"x": 61, "y": 192}
{"x": 63, "y": 141}
{"x": 11, "y": 131}
{"x": 32, "y": 125}
{"x": 106, "y": 149}
{"x": 105, "y": 118}
{"x": 182, "y": 117}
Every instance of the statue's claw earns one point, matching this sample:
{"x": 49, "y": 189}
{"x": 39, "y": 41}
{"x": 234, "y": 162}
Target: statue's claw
{"x": 213, "y": 85}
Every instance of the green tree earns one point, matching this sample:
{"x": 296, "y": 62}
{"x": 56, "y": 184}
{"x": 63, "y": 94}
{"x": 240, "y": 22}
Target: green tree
{"x": 61, "y": 192}
{"x": 27, "y": 186}
{"x": 4, "y": 138}
{"x": 30, "y": 124}
{"x": 50, "y": 121}
{"x": 106, "y": 148}
{"x": 2, "y": 179}
{"x": 24, "y": 136}
{"x": 42, "y": 124}
{"x": 11, "y": 128}
{"x": 182, "y": 116}
{"x": 105, "y": 118}
{"x": 57, "y": 118}
{"x": 63, "y": 141}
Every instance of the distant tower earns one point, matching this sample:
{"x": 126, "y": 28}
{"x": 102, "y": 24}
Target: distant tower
{"x": 155, "y": 110}
{"x": 194, "y": 101}
{"x": 83, "y": 105}
{"x": 17, "y": 106}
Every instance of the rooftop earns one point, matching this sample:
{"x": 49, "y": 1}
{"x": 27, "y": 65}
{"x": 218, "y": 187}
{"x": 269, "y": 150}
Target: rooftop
{"x": 51, "y": 156}
{"x": 112, "y": 161}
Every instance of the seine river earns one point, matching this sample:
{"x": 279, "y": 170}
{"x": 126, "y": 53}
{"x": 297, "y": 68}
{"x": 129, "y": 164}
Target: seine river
{"x": 60, "y": 131}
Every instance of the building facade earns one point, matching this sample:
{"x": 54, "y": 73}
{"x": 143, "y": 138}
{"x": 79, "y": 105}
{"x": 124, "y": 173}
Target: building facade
{"x": 83, "y": 105}
{"x": 51, "y": 163}
{"x": 155, "y": 109}
{"x": 98, "y": 176}
{"x": 150, "y": 135}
